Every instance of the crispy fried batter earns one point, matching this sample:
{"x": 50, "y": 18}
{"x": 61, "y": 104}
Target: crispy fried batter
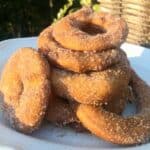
{"x": 76, "y": 61}
{"x": 86, "y": 30}
{"x": 62, "y": 112}
{"x": 93, "y": 87}
{"x": 118, "y": 129}
{"x": 25, "y": 85}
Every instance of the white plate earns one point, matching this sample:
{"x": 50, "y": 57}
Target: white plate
{"x": 50, "y": 137}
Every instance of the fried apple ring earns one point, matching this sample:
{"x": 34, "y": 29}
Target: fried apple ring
{"x": 61, "y": 112}
{"x": 75, "y": 61}
{"x": 118, "y": 129}
{"x": 117, "y": 106}
{"x": 25, "y": 85}
{"x": 90, "y": 31}
{"x": 93, "y": 87}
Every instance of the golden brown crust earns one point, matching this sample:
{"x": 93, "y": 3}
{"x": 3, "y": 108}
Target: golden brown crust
{"x": 117, "y": 106}
{"x": 25, "y": 85}
{"x": 106, "y": 31}
{"x": 61, "y": 112}
{"x": 93, "y": 87}
{"x": 118, "y": 129}
{"x": 75, "y": 61}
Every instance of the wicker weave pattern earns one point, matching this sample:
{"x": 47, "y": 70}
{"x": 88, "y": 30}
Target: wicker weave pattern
{"x": 112, "y": 6}
{"x": 137, "y": 15}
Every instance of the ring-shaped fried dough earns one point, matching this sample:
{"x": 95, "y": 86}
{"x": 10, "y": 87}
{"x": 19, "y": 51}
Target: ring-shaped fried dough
{"x": 76, "y": 61}
{"x": 118, "y": 129}
{"x": 90, "y": 31}
{"x": 62, "y": 112}
{"x": 117, "y": 106}
{"x": 93, "y": 87}
{"x": 25, "y": 86}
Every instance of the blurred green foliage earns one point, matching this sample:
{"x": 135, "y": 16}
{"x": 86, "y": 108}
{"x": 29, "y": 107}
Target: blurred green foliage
{"x": 19, "y": 18}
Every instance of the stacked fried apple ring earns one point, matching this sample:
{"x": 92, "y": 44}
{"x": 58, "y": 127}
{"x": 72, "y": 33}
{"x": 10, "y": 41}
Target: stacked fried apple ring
{"x": 88, "y": 66}
{"x": 94, "y": 75}
{"x": 117, "y": 129}
{"x": 86, "y": 84}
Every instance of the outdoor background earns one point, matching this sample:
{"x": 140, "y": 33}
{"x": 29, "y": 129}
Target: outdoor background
{"x": 24, "y": 18}
{"x": 21, "y": 18}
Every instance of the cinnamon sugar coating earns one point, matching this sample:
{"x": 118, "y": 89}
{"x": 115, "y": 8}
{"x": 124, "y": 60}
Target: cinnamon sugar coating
{"x": 76, "y": 61}
{"x": 86, "y": 30}
{"x": 118, "y": 129}
{"x": 25, "y": 85}
{"x": 93, "y": 87}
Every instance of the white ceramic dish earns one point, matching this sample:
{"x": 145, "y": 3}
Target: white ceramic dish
{"x": 50, "y": 137}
